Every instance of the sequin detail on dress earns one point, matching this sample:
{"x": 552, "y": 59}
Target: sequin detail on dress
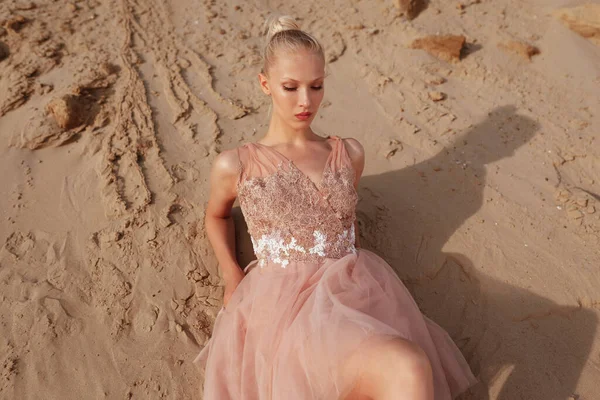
{"x": 289, "y": 217}
{"x": 272, "y": 247}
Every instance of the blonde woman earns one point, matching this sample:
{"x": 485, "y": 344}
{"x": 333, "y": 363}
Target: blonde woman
{"x": 315, "y": 316}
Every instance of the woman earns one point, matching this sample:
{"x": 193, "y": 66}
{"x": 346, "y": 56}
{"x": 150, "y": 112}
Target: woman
{"x": 315, "y": 316}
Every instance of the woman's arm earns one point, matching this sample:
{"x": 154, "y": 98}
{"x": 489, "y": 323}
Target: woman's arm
{"x": 218, "y": 221}
{"x": 357, "y": 156}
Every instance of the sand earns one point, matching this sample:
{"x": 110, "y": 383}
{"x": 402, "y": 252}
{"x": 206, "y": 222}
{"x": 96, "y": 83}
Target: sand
{"x": 481, "y": 187}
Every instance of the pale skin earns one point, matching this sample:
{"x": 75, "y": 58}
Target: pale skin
{"x": 387, "y": 368}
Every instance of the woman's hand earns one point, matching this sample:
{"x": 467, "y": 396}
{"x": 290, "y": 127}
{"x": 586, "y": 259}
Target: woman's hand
{"x": 231, "y": 283}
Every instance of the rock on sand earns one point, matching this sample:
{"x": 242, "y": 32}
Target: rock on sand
{"x": 585, "y": 20}
{"x": 410, "y": 8}
{"x": 444, "y": 47}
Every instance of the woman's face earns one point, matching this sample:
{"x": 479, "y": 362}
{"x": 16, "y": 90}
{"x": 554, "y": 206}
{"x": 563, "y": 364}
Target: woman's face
{"x": 295, "y": 84}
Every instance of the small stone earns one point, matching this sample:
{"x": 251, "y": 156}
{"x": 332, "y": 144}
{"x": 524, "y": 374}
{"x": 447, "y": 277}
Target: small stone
{"x": 436, "y": 96}
{"x": 436, "y": 80}
{"x": 178, "y": 328}
{"x": 524, "y": 50}
{"x": 582, "y": 202}
{"x": 410, "y": 8}
{"x": 66, "y": 110}
{"x": 444, "y": 47}
{"x": 590, "y": 210}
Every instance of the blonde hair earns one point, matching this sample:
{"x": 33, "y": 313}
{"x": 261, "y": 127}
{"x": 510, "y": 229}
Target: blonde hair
{"x": 284, "y": 33}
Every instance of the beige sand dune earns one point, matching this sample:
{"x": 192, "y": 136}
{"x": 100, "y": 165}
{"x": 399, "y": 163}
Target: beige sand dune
{"x": 481, "y": 188}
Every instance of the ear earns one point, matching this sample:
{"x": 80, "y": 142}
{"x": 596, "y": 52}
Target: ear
{"x": 264, "y": 84}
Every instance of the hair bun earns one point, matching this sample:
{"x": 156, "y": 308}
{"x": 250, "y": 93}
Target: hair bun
{"x": 277, "y": 23}
{"x": 284, "y": 34}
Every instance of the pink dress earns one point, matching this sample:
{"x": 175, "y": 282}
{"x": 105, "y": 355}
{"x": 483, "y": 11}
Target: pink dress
{"x": 311, "y": 298}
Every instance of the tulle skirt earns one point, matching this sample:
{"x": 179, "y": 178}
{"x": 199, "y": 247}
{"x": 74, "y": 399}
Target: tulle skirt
{"x": 288, "y": 333}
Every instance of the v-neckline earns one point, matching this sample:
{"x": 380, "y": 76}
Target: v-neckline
{"x": 318, "y": 186}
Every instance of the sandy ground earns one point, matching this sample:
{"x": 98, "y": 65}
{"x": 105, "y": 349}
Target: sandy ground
{"x": 481, "y": 188}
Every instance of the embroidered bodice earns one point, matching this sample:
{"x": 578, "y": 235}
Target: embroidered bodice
{"x": 291, "y": 218}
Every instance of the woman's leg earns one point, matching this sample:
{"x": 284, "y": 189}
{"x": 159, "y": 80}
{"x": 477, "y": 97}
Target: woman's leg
{"x": 390, "y": 369}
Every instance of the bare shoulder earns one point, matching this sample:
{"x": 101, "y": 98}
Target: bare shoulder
{"x": 226, "y": 164}
{"x": 355, "y": 150}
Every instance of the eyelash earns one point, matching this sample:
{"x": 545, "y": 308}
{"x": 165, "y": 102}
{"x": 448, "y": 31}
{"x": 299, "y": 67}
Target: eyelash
{"x": 292, "y": 89}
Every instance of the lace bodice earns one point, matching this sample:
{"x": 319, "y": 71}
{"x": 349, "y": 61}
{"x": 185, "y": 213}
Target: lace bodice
{"x": 291, "y": 218}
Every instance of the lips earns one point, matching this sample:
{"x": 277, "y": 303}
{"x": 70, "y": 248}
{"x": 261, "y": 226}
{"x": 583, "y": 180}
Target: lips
{"x": 305, "y": 116}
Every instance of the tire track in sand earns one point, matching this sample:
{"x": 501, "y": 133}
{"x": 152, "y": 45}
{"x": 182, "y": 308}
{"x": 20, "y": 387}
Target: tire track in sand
{"x": 193, "y": 116}
{"x": 131, "y": 148}
{"x": 134, "y": 170}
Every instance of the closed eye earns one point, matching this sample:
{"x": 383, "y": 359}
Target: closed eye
{"x": 289, "y": 89}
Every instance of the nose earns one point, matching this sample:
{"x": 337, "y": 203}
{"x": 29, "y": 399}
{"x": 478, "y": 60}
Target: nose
{"x": 305, "y": 98}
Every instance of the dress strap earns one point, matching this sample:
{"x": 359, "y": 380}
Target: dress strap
{"x": 257, "y": 161}
{"x": 241, "y": 161}
{"x": 339, "y": 156}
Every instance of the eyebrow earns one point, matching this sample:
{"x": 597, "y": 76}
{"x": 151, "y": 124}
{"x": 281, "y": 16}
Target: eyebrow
{"x": 293, "y": 80}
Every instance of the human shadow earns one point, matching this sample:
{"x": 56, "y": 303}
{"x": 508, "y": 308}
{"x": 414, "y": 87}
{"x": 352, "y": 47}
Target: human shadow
{"x": 519, "y": 344}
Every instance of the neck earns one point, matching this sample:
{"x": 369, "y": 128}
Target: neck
{"x": 280, "y": 132}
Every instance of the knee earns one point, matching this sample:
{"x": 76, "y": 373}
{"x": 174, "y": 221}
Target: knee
{"x": 412, "y": 360}
{"x": 394, "y": 366}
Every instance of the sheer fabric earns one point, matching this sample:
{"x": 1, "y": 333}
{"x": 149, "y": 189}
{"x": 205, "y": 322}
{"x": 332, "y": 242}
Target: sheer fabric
{"x": 311, "y": 299}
